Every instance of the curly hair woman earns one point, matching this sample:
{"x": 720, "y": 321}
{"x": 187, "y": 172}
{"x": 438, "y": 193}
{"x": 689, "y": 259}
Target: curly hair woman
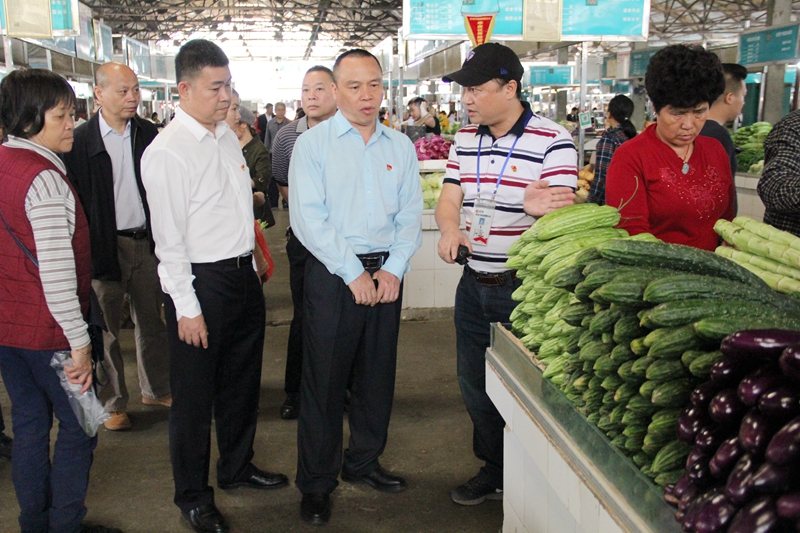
{"x": 668, "y": 181}
{"x": 620, "y": 109}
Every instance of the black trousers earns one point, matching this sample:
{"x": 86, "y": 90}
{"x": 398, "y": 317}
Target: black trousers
{"x": 297, "y": 255}
{"x": 338, "y": 336}
{"x": 223, "y": 379}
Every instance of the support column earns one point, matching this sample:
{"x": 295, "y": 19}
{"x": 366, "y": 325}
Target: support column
{"x": 778, "y": 12}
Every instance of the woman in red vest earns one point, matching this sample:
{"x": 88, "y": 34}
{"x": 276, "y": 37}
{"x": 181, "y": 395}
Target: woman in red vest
{"x": 45, "y": 283}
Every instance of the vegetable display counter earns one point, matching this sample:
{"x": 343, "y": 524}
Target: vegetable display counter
{"x": 561, "y": 474}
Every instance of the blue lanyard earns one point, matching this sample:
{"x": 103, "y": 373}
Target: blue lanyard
{"x": 502, "y": 170}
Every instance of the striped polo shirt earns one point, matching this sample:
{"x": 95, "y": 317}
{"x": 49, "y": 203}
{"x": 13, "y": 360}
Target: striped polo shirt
{"x": 282, "y": 148}
{"x": 544, "y": 151}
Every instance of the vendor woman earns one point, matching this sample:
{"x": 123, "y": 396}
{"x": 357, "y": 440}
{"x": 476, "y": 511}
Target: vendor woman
{"x": 668, "y": 181}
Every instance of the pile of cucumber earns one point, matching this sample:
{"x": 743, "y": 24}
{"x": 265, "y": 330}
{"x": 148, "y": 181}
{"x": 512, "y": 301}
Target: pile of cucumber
{"x": 627, "y": 326}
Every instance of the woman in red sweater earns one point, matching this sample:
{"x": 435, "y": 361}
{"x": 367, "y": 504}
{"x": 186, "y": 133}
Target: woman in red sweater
{"x": 668, "y": 181}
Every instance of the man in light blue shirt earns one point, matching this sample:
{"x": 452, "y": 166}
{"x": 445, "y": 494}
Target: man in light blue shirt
{"x": 356, "y": 205}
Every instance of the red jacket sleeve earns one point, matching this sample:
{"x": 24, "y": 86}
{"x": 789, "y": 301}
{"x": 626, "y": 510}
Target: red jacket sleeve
{"x": 626, "y": 190}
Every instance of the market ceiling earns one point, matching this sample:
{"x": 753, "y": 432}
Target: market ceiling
{"x": 320, "y": 29}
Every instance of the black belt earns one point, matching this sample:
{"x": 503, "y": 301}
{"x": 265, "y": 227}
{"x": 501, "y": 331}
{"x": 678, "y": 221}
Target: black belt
{"x": 135, "y": 234}
{"x": 373, "y": 261}
{"x": 490, "y": 279}
{"x": 237, "y": 262}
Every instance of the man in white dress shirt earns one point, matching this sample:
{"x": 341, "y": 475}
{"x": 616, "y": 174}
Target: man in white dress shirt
{"x": 202, "y": 218}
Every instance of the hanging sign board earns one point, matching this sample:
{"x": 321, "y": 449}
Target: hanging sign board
{"x": 639, "y": 62}
{"x": 62, "y": 17}
{"x": 772, "y": 45}
{"x": 605, "y": 20}
{"x": 28, "y": 18}
{"x": 456, "y": 19}
{"x": 585, "y": 120}
{"x": 560, "y": 75}
{"x": 542, "y": 21}
{"x": 103, "y": 42}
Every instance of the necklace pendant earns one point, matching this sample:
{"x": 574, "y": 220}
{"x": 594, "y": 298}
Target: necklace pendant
{"x": 685, "y": 168}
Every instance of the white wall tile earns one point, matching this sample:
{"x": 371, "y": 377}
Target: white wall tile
{"x": 514, "y": 481}
{"x": 426, "y": 257}
{"x": 558, "y": 472}
{"x": 500, "y": 395}
{"x": 559, "y": 519}
{"x": 536, "y": 489}
{"x": 445, "y": 284}
{"x": 418, "y": 289}
{"x": 511, "y": 522}
{"x": 606, "y": 524}
{"x": 574, "y": 501}
{"x": 590, "y": 510}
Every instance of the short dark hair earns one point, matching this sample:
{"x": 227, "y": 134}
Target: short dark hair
{"x": 735, "y": 74}
{"x": 417, "y": 101}
{"x": 355, "y": 52}
{"x": 503, "y": 82}
{"x": 26, "y": 95}
{"x": 683, "y": 76}
{"x": 320, "y": 68}
{"x": 194, "y": 56}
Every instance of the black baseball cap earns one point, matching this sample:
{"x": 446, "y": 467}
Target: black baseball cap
{"x": 487, "y": 62}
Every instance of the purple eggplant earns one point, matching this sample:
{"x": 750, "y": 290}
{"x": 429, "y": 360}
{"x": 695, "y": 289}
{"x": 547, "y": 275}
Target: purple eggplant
{"x": 726, "y": 457}
{"x": 759, "y": 516}
{"x": 780, "y": 403}
{"x": 788, "y": 505}
{"x": 695, "y": 455}
{"x": 756, "y": 383}
{"x": 785, "y": 444}
{"x": 715, "y": 514}
{"x": 771, "y": 479}
{"x": 726, "y": 409}
{"x": 710, "y": 437}
{"x": 739, "y": 486}
{"x": 759, "y": 344}
{"x": 755, "y": 432}
{"x": 679, "y": 516}
{"x": 726, "y": 373}
{"x": 790, "y": 363}
{"x": 691, "y": 421}
{"x": 681, "y": 486}
{"x": 670, "y": 499}
{"x": 694, "y": 509}
{"x": 699, "y": 474}
{"x": 688, "y": 498}
{"x": 701, "y": 396}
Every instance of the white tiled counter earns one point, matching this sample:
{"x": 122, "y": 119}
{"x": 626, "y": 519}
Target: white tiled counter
{"x": 750, "y": 203}
{"x": 561, "y": 474}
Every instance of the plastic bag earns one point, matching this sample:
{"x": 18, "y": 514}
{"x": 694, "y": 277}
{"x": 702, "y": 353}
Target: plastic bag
{"x": 87, "y": 408}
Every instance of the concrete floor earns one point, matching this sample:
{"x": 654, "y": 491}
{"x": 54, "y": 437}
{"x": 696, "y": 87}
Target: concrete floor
{"x": 430, "y": 442}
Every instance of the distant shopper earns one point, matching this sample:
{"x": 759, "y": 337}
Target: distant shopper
{"x": 257, "y": 157}
{"x": 104, "y": 167}
{"x": 318, "y": 101}
{"x": 668, "y": 181}
{"x": 199, "y": 189}
{"x": 263, "y": 120}
{"x": 572, "y": 116}
{"x": 356, "y": 205}
{"x": 42, "y": 308}
{"x": 621, "y": 129}
{"x": 275, "y": 124}
{"x": 418, "y": 108}
{"x": 779, "y": 186}
{"x": 507, "y": 167}
{"x": 444, "y": 122}
{"x": 726, "y": 108}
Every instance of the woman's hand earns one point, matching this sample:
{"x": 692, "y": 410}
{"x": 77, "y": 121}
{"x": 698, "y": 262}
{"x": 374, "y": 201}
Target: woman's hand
{"x": 80, "y": 371}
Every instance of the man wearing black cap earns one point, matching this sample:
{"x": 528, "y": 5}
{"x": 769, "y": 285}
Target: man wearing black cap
{"x": 506, "y": 168}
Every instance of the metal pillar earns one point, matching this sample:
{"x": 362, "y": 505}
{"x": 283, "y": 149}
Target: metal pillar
{"x": 584, "y": 74}
{"x": 778, "y": 12}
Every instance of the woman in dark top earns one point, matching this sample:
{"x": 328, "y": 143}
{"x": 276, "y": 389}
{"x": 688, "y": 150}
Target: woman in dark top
{"x": 620, "y": 109}
{"x": 422, "y": 117}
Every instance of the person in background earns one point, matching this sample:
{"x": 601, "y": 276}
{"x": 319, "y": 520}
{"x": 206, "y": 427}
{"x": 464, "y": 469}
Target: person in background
{"x": 300, "y": 114}
{"x": 444, "y": 122}
{"x": 317, "y": 98}
{"x": 273, "y": 127}
{"x": 200, "y": 198}
{"x": 6, "y": 442}
{"x": 360, "y": 217}
{"x": 779, "y": 186}
{"x": 572, "y": 116}
{"x": 669, "y": 181}
{"x": 725, "y": 109}
{"x": 621, "y": 129}
{"x": 104, "y": 166}
{"x": 263, "y": 120}
{"x": 42, "y": 308}
{"x": 532, "y": 171}
{"x": 258, "y": 162}
{"x": 420, "y": 115}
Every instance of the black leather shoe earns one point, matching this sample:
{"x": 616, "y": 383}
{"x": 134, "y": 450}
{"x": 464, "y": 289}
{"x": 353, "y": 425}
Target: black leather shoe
{"x": 316, "y": 508}
{"x": 6, "y": 444}
{"x": 257, "y": 479}
{"x": 206, "y": 519}
{"x": 378, "y": 479}
{"x": 290, "y": 409}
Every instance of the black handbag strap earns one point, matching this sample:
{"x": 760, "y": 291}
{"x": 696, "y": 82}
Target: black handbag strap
{"x": 19, "y": 242}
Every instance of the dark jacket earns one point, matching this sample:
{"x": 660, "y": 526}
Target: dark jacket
{"x": 90, "y": 171}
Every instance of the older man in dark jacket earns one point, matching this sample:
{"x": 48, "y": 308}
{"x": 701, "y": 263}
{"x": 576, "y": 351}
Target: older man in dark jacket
{"x": 104, "y": 166}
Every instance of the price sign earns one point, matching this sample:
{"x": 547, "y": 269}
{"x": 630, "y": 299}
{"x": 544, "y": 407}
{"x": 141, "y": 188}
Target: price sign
{"x": 561, "y": 75}
{"x": 773, "y": 45}
{"x": 438, "y": 19}
{"x": 598, "y": 20}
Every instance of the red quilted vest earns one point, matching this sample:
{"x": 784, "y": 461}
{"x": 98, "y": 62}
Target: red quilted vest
{"x": 25, "y": 320}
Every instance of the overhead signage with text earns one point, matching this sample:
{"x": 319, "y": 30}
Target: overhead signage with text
{"x": 639, "y": 62}
{"x": 601, "y": 20}
{"x": 444, "y": 19}
{"x": 62, "y": 17}
{"x": 773, "y": 45}
{"x": 560, "y": 75}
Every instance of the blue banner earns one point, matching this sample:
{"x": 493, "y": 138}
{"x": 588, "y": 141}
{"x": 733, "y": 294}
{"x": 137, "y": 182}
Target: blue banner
{"x": 605, "y": 18}
{"x": 769, "y": 46}
{"x": 561, "y": 75}
{"x": 639, "y": 62}
{"x": 437, "y": 18}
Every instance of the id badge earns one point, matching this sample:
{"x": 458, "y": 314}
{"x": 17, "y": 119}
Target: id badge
{"x": 482, "y": 221}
